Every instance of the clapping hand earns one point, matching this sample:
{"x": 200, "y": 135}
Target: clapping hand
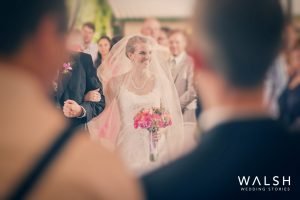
{"x": 93, "y": 96}
{"x": 72, "y": 109}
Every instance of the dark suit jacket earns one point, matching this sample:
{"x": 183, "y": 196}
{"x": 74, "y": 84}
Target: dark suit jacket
{"x": 258, "y": 147}
{"x": 98, "y": 61}
{"x": 76, "y": 83}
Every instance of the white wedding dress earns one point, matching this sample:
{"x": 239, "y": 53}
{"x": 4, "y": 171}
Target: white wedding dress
{"x": 133, "y": 144}
{"x": 114, "y": 127}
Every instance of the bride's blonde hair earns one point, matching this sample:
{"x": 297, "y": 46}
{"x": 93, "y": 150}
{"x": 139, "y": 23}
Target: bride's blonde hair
{"x": 130, "y": 46}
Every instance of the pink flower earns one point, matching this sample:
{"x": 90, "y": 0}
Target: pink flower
{"x": 136, "y": 125}
{"x": 67, "y": 67}
{"x": 152, "y": 119}
{"x": 161, "y": 124}
{"x": 156, "y": 116}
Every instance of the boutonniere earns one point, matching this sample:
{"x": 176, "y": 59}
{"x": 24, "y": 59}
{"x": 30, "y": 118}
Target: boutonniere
{"x": 67, "y": 67}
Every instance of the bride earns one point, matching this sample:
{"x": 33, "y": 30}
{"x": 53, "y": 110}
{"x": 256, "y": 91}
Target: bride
{"x": 133, "y": 79}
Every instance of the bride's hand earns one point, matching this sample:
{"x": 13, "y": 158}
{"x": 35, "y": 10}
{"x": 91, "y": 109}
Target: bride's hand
{"x": 93, "y": 96}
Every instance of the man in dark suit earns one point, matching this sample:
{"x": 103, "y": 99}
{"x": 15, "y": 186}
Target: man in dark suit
{"x": 244, "y": 154}
{"x": 77, "y": 80}
{"x": 73, "y": 84}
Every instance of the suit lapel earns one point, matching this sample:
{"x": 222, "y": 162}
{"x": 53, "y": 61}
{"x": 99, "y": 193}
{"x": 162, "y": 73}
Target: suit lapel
{"x": 63, "y": 83}
{"x": 64, "y": 79}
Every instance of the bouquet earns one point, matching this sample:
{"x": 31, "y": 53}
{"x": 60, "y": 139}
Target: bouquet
{"x": 152, "y": 119}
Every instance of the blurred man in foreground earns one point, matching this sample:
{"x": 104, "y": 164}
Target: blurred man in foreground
{"x": 39, "y": 160}
{"x": 237, "y": 40}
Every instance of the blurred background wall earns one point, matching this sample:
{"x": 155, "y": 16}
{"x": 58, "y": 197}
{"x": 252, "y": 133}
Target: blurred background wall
{"x": 123, "y": 17}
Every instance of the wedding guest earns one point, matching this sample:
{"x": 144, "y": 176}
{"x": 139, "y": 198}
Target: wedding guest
{"x": 275, "y": 83}
{"x": 291, "y": 36}
{"x": 39, "y": 160}
{"x": 289, "y": 101}
{"x": 104, "y": 46}
{"x": 277, "y": 76}
{"x": 74, "y": 83}
{"x": 181, "y": 66}
{"x": 238, "y": 40}
{"x": 151, "y": 28}
{"x": 163, "y": 36}
{"x": 89, "y": 47}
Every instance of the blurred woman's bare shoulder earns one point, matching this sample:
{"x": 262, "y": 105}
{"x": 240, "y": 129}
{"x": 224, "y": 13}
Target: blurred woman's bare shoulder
{"x": 86, "y": 169}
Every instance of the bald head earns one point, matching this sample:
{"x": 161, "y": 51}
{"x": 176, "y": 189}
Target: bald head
{"x": 151, "y": 27}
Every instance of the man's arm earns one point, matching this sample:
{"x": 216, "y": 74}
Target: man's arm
{"x": 92, "y": 109}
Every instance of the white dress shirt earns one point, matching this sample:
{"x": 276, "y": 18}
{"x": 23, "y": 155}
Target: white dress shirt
{"x": 175, "y": 61}
{"x": 92, "y": 49}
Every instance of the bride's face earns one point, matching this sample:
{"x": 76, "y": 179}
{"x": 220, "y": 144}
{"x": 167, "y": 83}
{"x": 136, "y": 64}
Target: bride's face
{"x": 141, "y": 57}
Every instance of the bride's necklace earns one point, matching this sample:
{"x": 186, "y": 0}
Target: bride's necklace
{"x": 135, "y": 85}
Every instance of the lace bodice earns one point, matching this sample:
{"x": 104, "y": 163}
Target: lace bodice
{"x": 130, "y": 103}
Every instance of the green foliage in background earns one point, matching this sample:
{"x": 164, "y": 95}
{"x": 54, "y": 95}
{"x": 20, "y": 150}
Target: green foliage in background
{"x": 96, "y": 11}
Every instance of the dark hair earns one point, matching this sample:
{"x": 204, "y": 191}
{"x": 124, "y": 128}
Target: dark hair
{"x": 166, "y": 29}
{"x": 104, "y": 37}
{"x": 247, "y": 34}
{"x": 20, "y": 19}
{"x": 89, "y": 25}
{"x": 116, "y": 39}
